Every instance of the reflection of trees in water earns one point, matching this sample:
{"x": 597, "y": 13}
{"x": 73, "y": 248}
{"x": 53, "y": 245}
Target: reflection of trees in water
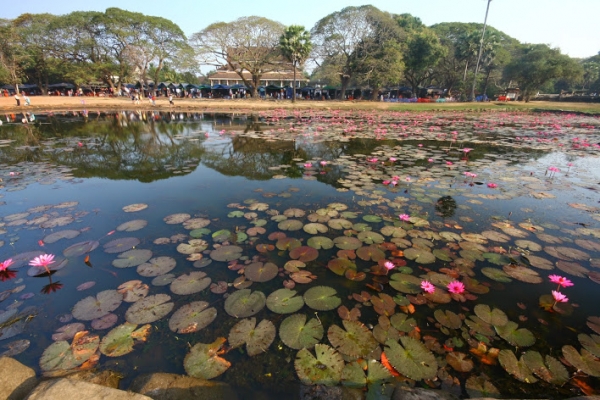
{"x": 445, "y": 206}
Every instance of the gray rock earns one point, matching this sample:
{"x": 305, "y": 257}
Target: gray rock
{"x": 406, "y": 393}
{"x": 104, "y": 378}
{"x": 63, "y": 388}
{"x": 16, "y": 380}
{"x": 320, "y": 392}
{"x": 162, "y": 386}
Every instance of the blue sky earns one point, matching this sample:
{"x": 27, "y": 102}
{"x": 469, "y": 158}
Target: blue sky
{"x": 570, "y": 25}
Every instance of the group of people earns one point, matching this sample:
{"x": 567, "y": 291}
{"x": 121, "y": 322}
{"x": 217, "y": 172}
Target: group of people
{"x": 25, "y": 98}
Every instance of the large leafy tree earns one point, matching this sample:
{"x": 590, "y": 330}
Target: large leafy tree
{"x": 359, "y": 42}
{"x": 423, "y": 52}
{"x": 248, "y": 44}
{"x": 591, "y": 73}
{"x": 12, "y": 55}
{"x": 295, "y": 45}
{"x": 538, "y": 64}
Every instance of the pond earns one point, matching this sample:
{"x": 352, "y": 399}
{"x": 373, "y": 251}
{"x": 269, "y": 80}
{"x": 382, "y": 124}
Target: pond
{"x": 448, "y": 250}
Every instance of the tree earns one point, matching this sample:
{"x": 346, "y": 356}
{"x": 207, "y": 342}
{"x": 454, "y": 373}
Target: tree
{"x": 538, "y": 64}
{"x": 12, "y": 55}
{"x": 248, "y": 44}
{"x": 350, "y": 40}
{"x": 591, "y": 73}
{"x": 296, "y": 46}
{"x": 424, "y": 51}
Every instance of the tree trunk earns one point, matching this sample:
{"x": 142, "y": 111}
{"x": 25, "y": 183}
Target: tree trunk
{"x": 294, "y": 84}
{"x": 465, "y": 74}
{"x": 487, "y": 79}
{"x": 345, "y": 83}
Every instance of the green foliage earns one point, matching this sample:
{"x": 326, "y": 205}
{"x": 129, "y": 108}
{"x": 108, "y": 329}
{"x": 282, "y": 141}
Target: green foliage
{"x": 295, "y": 45}
{"x": 424, "y": 51}
{"x": 538, "y": 64}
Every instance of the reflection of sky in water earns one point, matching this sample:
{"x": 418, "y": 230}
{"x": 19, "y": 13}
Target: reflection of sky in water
{"x": 229, "y": 169}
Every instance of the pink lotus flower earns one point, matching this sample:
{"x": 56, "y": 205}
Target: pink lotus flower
{"x": 492, "y": 185}
{"x": 43, "y": 261}
{"x": 4, "y": 265}
{"x": 389, "y": 265}
{"x": 448, "y": 162}
{"x": 374, "y": 159}
{"x": 427, "y": 287}
{"x": 394, "y": 183}
{"x": 559, "y": 297}
{"x": 307, "y": 165}
{"x": 420, "y": 145}
{"x": 386, "y": 182}
{"x": 560, "y": 280}
{"x": 323, "y": 163}
{"x": 466, "y": 150}
{"x": 393, "y": 159}
{"x": 404, "y": 217}
{"x": 430, "y": 160}
{"x": 456, "y": 287}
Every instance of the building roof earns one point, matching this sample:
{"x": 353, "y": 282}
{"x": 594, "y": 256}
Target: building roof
{"x": 276, "y": 76}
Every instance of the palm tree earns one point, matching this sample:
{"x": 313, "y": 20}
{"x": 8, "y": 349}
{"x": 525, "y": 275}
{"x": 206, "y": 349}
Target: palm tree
{"x": 295, "y": 45}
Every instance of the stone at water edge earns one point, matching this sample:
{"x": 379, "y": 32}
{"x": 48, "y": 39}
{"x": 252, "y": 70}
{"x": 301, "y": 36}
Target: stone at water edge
{"x": 163, "y": 386}
{"x": 18, "y": 382}
{"x": 63, "y": 388}
{"x": 406, "y": 393}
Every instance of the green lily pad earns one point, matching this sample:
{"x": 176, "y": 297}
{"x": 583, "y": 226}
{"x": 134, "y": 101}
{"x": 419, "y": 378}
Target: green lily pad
{"x": 245, "y": 303}
{"x": 356, "y": 341}
{"x": 495, "y": 258}
{"x": 132, "y": 226}
{"x": 419, "y": 255}
{"x": 121, "y": 245}
{"x": 150, "y": 309}
{"x": 552, "y": 371}
{"x": 393, "y": 231}
{"x": 411, "y": 358}
{"x": 322, "y": 298}
{"x": 221, "y": 236}
{"x": 192, "y": 317}
{"x": 354, "y": 376}
{"x": 258, "y": 338}
{"x": 203, "y": 360}
{"x": 56, "y": 236}
{"x": 288, "y": 243}
{"x": 120, "y": 340}
{"x": 406, "y": 283}
{"x": 320, "y": 242}
{"x": 479, "y": 326}
{"x": 402, "y": 323}
{"x": 290, "y": 225}
{"x": 284, "y": 301}
{"x": 347, "y": 243}
{"x": 304, "y": 253}
{"x": 198, "y": 233}
{"x": 522, "y": 274}
{"x": 517, "y": 368}
{"x": 236, "y": 214}
{"x": 261, "y": 272}
{"x": 339, "y": 224}
{"x": 339, "y": 266}
{"x": 370, "y": 237}
{"x": 98, "y": 306}
{"x": 313, "y": 228}
{"x": 459, "y": 361}
{"x": 584, "y": 360}
{"x": 480, "y": 386}
{"x": 516, "y": 337}
{"x": 590, "y": 342}
{"x": 324, "y": 369}
{"x": 361, "y": 227}
{"x": 294, "y": 213}
{"x": 132, "y": 258}
{"x": 495, "y": 317}
{"x": 193, "y": 282}
{"x": 226, "y": 253}
{"x": 156, "y": 266}
{"x": 297, "y": 334}
{"x": 79, "y": 249}
{"x": 62, "y": 356}
{"x": 448, "y": 319}
{"x": 370, "y": 253}
{"x": 496, "y": 274}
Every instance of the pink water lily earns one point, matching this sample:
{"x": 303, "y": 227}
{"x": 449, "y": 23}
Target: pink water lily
{"x": 393, "y": 159}
{"x": 307, "y": 165}
{"x": 430, "y": 160}
{"x": 492, "y": 185}
{"x": 559, "y": 297}
{"x": 456, "y": 287}
{"x": 404, "y": 217}
{"x": 389, "y": 265}
{"x": 427, "y": 287}
{"x": 43, "y": 261}
{"x": 5, "y": 264}
{"x": 448, "y": 162}
{"x": 323, "y": 163}
{"x": 560, "y": 281}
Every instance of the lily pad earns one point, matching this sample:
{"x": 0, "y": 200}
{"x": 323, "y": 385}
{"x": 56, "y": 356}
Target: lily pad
{"x": 590, "y": 342}
{"x": 584, "y": 360}
{"x": 522, "y": 274}
{"x": 121, "y": 339}
{"x": 284, "y": 301}
{"x": 297, "y": 334}
{"x": 370, "y": 253}
{"x": 121, "y": 245}
{"x": 81, "y": 248}
{"x": 258, "y": 338}
{"x": 320, "y": 242}
{"x": 459, "y": 361}
{"x": 290, "y": 225}
{"x": 304, "y": 253}
{"x": 245, "y": 303}
{"x": 132, "y": 226}
{"x": 192, "y": 317}
{"x": 347, "y": 243}
{"x": 193, "y": 282}
{"x": 203, "y": 360}
{"x": 419, "y": 255}
{"x": 67, "y": 332}
{"x": 323, "y": 369}
{"x": 62, "y": 356}
{"x": 406, "y": 283}
{"x": 104, "y": 322}
{"x": 65, "y": 234}
{"x": 495, "y": 317}
{"x": 322, "y": 298}
{"x": 517, "y": 368}
{"x": 132, "y": 258}
{"x": 156, "y": 266}
{"x": 151, "y": 309}
{"x": 516, "y": 337}
{"x": 448, "y": 319}
{"x": 133, "y": 291}
{"x": 314, "y": 228}
{"x": 411, "y": 358}
{"x": 551, "y": 371}
{"x": 480, "y": 386}
{"x": 355, "y": 341}
{"x": 370, "y": 237}
{"x": 93, "y": 307}
{"x": 135, "y": 207}
{"x": 496, "y": 274}
{"x": 192, "y": 246}
{"x": 226, "y": 253}
{"x": 261, "y": 272}
{"x": 339, "y": 266}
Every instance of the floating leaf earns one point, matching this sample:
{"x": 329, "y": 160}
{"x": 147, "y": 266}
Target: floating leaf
{"x": 95, "y": 307}
{"x": 132, "y": 258}
{"x": 322, "y": 298}
{"x": 261, "y": 272}
{"x": 347, "y": 243}
{"x": 495, "y": 317}
{"x": 320, "y": 242}
{"x": 297, "y": 334}
{"x": 290, "y": 225}
{"x": 411, "y": 358}
{"x": 356, "y": 341}
{"x": 245, "y": 303}
{"x": 406, "y": 283}
{"x": 121, "y": 339}
{"x": 104, "y": 322}
{"x": 479, "y": 326}
{"x": 203, "y": 360}
{"x": 522, "y": 274}
{"x": 419, "y": 255}
{"x": 286, "y": 243}
{"x": 324, "y": 369}
{"x": 402, "y": 323}
{"x": 135, "y": 207}
{"x": 590, "y": 342}
{"x": 193, "y": 282}
{"x": 496, "y": 274}
{"x": 192, "y": 317}
{"x": 56, "y": 236}
{"x": 133, "y": 291}
{"x": 370, "y": 237}
{"x": 79, "y": 249}
{"x": 314, "y": 228}
{"x": 339, "y": 266}
{"x": 193, "y": 246}
{"x": 304, "y": 253}
{"x": 151, "y": 309}
{"x": 156, "y": 266}
{"x": 480, "y": 386}
{"x": 554, "y": 372}
{"x": 584, "y": 360}
{"x": 121, "y": 245}
{"x": 448, "y": 319}
{"x": 459, "y": 361}
{"x": 132, "y": 226}
{"x": 226, "y": 253}
{"x": 62, "y": 356}
{"x": 370, "y": 253}
{"x": 516, "y": 368}
{"x": 284, "y": 301}
{"x": 67, "y": 332}
{"x": 516, "y": 337}
{"x": 339, "y": 224}
{"x": 257, "y": 338}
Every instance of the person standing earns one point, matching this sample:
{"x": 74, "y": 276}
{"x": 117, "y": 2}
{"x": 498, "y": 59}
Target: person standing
{"x": 27, "y": 101}
{"x": 18, "y": 99}
{"x": 171, "y": 100}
